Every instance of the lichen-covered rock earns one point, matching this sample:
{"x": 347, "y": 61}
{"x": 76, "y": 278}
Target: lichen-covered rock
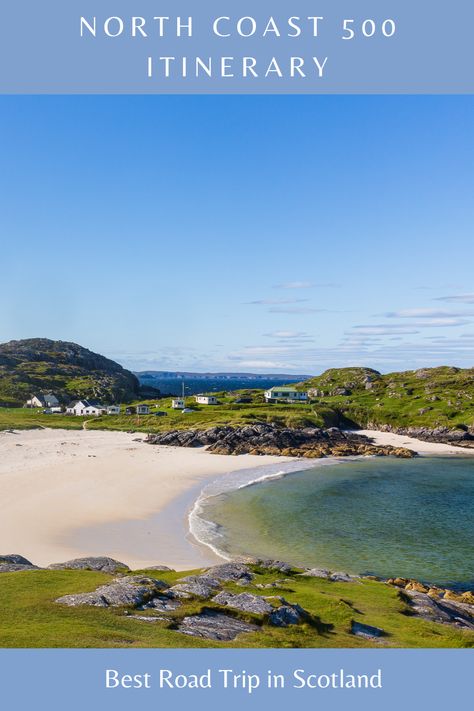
{"x": 246, "y": 602}
{"x": 195, "y": 586}
{"x": 287, "y": 614}
{"x": 230, "y": 572}
{"x": 211, "y": 624}
{"x": 342, "y": 578}
{"x": 101, "y": 563}
{"x": 418, "y": 587}
{"x": 316, "y": 573}
{"x": 163, "y": 568}
{"x": 277, "y": 565}
{"x": 133, "y": 591}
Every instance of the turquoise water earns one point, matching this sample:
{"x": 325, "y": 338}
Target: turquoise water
{"x": 388, "y": 517}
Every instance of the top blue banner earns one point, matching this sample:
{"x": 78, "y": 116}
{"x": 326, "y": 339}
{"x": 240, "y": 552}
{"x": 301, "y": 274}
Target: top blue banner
{"x": 235, "y": 47}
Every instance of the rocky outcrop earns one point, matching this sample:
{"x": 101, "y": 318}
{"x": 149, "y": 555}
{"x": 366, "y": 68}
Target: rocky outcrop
{"x": 133, "y": 591}
{"x": 246, "y": 602}
{"x": 13, "y": 563}
{"x": 212, "y": 624}
{"x": 265, "y": 438}
{"x": 202, "y": 586}
{"x": 101, "y": 563}
{"x": 230, "y": 572}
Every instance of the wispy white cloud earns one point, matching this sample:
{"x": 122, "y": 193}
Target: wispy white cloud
{"x": 286, "y": 334}
{"x": 427, "y": 313}
{"x": 305, "y": 285}
{"x": 383, "y": 329}
{"x": 457, "y": 299}
{"x": 297, "y": 310}
{"x": 268, "y": 302}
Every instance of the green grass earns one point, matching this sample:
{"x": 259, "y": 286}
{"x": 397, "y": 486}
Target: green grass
{"x": 31, "y": 618}
{"x": 430, "y": 397}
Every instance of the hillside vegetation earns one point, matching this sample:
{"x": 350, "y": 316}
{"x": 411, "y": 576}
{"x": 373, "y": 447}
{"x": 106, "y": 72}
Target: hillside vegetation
{"x": 67, "y": 369}
{"x": 429, "y": 397}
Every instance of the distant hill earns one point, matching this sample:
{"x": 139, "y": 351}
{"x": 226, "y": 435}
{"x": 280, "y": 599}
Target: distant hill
{"x": 428, "y": 397}
{"x": 171, "y": 382}
{"x": 67, "y": 369}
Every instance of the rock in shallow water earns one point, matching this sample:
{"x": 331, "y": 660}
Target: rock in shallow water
{"x": 215, "y": 625}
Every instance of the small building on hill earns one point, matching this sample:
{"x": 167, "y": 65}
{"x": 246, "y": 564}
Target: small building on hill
{"x": 143, "y": 409}
{"x": 47, "y": 400}
{"x": 281, "y": 393}
{"x": 130, "y": 410}
{"x": 206, "y": 399}
{"x": 113, "y": 410}
{"x": 178, "y": 403}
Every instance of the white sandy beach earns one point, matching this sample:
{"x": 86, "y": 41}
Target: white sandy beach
{"x": 56, "y": 484}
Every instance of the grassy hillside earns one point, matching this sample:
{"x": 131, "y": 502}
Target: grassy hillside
{"x": 31, "y": 618}
{"x": 429, "y": 397}
{"x": 70, "y": 371}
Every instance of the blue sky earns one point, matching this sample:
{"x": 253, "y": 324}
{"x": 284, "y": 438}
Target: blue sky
{"x": 241, "y": 233}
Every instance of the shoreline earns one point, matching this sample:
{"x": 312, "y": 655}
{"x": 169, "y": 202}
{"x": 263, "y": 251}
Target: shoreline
{"x": 70, "y": 494}
{"x": 57, "y": 485}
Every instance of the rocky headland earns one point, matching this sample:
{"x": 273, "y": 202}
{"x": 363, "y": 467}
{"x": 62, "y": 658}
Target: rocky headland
{"x": 263, "y": 438}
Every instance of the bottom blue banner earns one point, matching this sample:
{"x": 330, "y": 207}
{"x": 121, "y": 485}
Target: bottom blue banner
{"x": 115, "y": 679}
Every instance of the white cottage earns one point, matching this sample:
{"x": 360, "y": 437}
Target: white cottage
{"x": 280, "y": 393}
{"x": 43, "y": 400}
{"x": 206, "y": 399}
{"x": 113, "y": 410}
{"x": 143, "y": 409}
{"x": 86, "y": 407}
{"x": 178, "y": 403}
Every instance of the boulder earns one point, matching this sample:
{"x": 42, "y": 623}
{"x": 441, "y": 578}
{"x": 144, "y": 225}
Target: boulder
{"x": 211, "y": 624}
{"x": 133, "y": 591}
{"x": 366, "y": 631}
{"x": 287, "y": 614}
{"x": 316, "y": 573}
{"x": 102, "y": 564}
{"x": 342, "y": 577}
{"x": 195, "y": 586}
{"x": 13, "y": 568}
{"x": 163, "y": 568}
{"x": 230, "y": 572}
{"x": 246, "y": 602}
{"x": 276, "y": 565}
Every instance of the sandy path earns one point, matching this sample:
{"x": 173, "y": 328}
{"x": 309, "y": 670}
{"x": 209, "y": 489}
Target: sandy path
{"x": 56, "y": 482}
